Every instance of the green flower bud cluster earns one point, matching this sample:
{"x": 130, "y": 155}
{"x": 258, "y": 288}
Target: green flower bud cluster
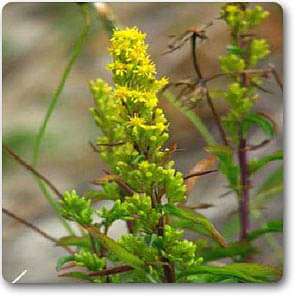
{"x": 240, "y": 99}
{"x": 148, "y": 175}
{"x": 110, "y": 191}
{"x": 137, "y": 208}
{"x": 138, "y": 246}
{"x": 178, "y": 250}
{"x": 241, "y": 19}
{"x": 232, "y": 63}
{"x": 259, "y": 49}
{"x": 150, "y": 247}
{"x": 76, "y": 208}
{"x": 85, "y": 258}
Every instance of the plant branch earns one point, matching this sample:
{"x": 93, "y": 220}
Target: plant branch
{"x": 95, "y": 149}
{"x": 34, "y": 228}
{"x": 194, "y": 56}
{"x": 112, "y": 271}
{"x": 125, "y": 187}
{"x": 216, "y": 117}
{"x": 264, "y": 72}
{"x": 277, "y": 77}
{"x": 32, "y": 170}
{"x": 198, "y": 174}
{"x": 258, "y": 146}
{"x": 208, "y": 97}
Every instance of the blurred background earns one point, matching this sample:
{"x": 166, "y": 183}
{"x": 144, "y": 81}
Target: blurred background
{"x": 37, "y": 42}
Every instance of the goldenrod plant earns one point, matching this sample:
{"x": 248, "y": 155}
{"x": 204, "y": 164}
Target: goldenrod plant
{"x": 144, "y": 186}
{"x": 243, "y": 66}
{"x": 146, "y": 192}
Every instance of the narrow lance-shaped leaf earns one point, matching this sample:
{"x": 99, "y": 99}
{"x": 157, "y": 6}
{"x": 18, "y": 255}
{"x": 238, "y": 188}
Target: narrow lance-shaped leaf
{"x": 264, "y": 122}
{"x": 257, "y": 164}
{"x": 231, "y": 227}
{"x": 232, "y": 250}
{"x": 63, "y": 260}
{"x": 271, "y": 187}
{"x": 116, "y": 249}
{"x": 197, "y": 218}
{"x": 82, "y": 241}
{"x": 243, "y": 272}
{"x": 227, "y": 164}
{"x": 272, "y": 226}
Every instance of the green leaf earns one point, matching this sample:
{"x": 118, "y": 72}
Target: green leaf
{"x": 272, "y": 226}
{"x": 262, "y": 121}
{"x": 232, "y": 250}
{"x": 81, "y": 241}
{"x": 195, "y": 119}
{"x": 271, "y": 187}
{"x": 242, "y": 272}
{"x": 78, "y": 275}
{"x": 62, "y": 260}
{"x": 257, "y": 164}
{"x": 187, "y": 224}
{"x": 198, "y": 219}
{"x": 227, "y": 164}
{"x": 234, "y": 49}
{"x": 117, "y": 250}
{"x": 208, "y": 278}
{"x": 231, "y": 227}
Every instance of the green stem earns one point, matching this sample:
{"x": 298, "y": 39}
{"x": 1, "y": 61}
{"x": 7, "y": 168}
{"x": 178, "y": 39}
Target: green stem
{"x": 41, "y": 133}
{"x": 75, "y": 53}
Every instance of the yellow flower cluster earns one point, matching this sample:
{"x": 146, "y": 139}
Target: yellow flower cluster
{"x": 131, "y": 64}
{"x": 131, "y": 121}
{"x": 134, "y": 75}
{"x": 135, "y": 96}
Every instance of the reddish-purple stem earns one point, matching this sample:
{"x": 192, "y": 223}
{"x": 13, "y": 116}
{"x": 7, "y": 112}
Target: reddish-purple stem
{"x": 244, "y": 194}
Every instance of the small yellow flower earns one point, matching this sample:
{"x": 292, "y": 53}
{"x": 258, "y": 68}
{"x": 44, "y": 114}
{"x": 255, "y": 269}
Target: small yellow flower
{"x": 136, "y": 121}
